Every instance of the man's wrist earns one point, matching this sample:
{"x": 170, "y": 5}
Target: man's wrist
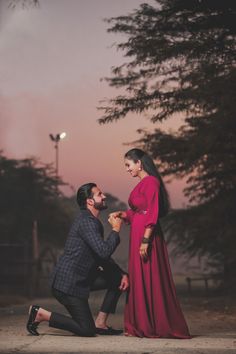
{"x": 116, "y": 229}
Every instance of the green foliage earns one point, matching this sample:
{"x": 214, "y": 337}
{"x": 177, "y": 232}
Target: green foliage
{"x": 207, "y": 229}
{"x": 181, "y": 60}
{"x": 175, "y": 50}
{"x": 28, "y": 192}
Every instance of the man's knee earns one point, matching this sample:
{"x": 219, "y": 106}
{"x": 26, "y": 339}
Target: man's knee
{"x": 86, "y": 332}
{"x": 115, "y": 281}
{"x": 86, "y": 328}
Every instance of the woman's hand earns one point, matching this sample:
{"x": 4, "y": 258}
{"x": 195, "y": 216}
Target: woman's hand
{"x": 118, "y": 214}
{"x": 143, "y": 250}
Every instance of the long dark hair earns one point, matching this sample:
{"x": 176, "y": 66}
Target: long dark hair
{"x": 149, "y": 166}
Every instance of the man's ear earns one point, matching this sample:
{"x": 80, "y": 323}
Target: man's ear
{"x": 90, "y": 202}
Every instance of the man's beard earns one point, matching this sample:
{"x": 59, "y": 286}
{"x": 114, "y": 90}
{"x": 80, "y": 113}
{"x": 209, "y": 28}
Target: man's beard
{"x": 100, "y": 206}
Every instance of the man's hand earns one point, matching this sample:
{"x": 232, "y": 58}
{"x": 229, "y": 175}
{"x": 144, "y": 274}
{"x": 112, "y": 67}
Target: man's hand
{"x": 115, "y": 223}
{"x": 124, "y": 284}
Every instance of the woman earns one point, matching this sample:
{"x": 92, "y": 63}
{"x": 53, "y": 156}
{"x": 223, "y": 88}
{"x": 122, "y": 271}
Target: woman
{"x": 152, "y": 309}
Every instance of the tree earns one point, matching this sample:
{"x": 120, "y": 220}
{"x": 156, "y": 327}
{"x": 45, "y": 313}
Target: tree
{"x": 28, "y": 192}
{"x": 22, "y": 3}
{"x": 182, "y": 61}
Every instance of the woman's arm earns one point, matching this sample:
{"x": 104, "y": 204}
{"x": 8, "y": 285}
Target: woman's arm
{"x": 143, "y": 249}
{"x": 151, "y": 193}
{"x": 127, "y": 215}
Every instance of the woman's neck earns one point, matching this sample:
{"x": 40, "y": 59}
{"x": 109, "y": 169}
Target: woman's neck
{"x": 142, "y": 174}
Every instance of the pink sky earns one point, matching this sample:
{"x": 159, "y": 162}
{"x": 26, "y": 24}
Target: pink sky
{"x": 51, "y": 61}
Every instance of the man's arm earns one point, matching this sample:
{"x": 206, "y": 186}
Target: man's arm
{"x": 91, "y": 234}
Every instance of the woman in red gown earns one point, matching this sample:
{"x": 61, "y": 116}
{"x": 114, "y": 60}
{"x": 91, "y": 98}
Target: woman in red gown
{"x": 152, "y": 309}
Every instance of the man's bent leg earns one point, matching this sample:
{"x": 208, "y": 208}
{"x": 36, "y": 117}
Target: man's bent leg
{"x": 113, "y": 280}
{"x": 109, "y": 306}
{"x": 107, "y": 279}
{"x": 81, "y": 323}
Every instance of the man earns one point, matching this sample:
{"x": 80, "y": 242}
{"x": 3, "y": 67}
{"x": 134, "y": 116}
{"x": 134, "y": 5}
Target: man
{"x": 85, "y": 265}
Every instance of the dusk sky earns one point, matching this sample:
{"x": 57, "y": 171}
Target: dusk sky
{"x": 52, "y": 58}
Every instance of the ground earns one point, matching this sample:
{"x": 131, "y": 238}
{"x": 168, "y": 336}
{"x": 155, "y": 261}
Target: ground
{"x": 212, "y": 323}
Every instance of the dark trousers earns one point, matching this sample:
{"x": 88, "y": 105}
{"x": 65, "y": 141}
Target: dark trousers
{"x": 81, "y": 321}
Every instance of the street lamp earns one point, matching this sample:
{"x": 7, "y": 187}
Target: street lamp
{"x": 56, "y": 138}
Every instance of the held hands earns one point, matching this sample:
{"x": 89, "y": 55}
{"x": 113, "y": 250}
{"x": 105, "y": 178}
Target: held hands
{"x": 124, "y": 283}
{"x": 115, "y": 219}
{"x": 115, "y": 222}
{"x": 119, "y": 214}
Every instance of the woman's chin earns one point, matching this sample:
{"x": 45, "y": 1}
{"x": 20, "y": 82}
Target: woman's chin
{"x": 133, "y": 174}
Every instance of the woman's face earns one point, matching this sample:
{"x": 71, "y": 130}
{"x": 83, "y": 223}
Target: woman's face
{"x": 133, "y": 167}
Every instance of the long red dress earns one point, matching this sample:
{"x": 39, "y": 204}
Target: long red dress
{"x": 152, "y": 308}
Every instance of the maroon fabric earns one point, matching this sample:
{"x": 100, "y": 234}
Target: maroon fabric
{"x": 152, "y": 309}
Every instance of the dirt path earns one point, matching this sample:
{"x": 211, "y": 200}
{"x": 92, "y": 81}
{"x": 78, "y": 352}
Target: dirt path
{"x": 212, "y": 323}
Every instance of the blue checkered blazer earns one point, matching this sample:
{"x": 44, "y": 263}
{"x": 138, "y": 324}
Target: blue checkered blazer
{"x": 85, "y": 250}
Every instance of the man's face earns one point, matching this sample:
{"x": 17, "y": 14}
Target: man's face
{"x": 99, "y": 199}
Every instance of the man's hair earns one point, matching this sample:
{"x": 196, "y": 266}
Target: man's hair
{"x": 85, "y": 192}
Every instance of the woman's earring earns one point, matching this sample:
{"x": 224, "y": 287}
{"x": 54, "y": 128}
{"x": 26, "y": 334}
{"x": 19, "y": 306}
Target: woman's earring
{"x": 140, "y": 168}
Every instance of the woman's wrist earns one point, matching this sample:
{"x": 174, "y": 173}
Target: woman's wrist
{"x": 122, "y": 214}
{"x": 146, "y": 240}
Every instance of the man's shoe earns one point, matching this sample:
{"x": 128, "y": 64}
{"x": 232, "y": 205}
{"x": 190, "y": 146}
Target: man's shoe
{"x": 109, "y": 331}
{"x": 31, "y": 324}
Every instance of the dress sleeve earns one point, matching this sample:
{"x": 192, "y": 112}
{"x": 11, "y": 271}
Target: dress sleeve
{"x": 151, "y": 193}
{"x": 129, "y": 216}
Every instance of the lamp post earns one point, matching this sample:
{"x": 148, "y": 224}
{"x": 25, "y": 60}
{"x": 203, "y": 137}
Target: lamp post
{"x": 56, "y": 138}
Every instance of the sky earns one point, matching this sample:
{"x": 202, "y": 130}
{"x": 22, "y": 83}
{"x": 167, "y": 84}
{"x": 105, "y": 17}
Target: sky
{"x": 52, "y": 59}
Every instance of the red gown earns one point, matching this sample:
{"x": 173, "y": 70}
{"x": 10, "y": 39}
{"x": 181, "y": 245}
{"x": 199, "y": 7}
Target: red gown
{"x": 152, "y": 308}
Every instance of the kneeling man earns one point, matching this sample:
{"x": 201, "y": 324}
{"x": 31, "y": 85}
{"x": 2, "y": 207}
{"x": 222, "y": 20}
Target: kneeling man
{"x": 84, "y": 266}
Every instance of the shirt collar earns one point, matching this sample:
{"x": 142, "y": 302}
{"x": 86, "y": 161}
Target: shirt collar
{"x": 87, "y": 212}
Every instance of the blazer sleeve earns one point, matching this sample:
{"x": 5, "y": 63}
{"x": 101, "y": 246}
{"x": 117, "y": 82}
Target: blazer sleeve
{"x": 151, "y": 192}
{"x": 90, "y": 232}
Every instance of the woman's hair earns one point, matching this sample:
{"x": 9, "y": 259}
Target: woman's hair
{"x": 149, "y": 166}
{"x": 85, "y": 192}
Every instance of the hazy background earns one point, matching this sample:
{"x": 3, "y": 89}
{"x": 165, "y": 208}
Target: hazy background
{"x": 52, "y": 58}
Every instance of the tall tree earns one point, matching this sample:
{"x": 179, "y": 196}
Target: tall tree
{"x": 181, "y": 60}
{"x": 28, "y": 192}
